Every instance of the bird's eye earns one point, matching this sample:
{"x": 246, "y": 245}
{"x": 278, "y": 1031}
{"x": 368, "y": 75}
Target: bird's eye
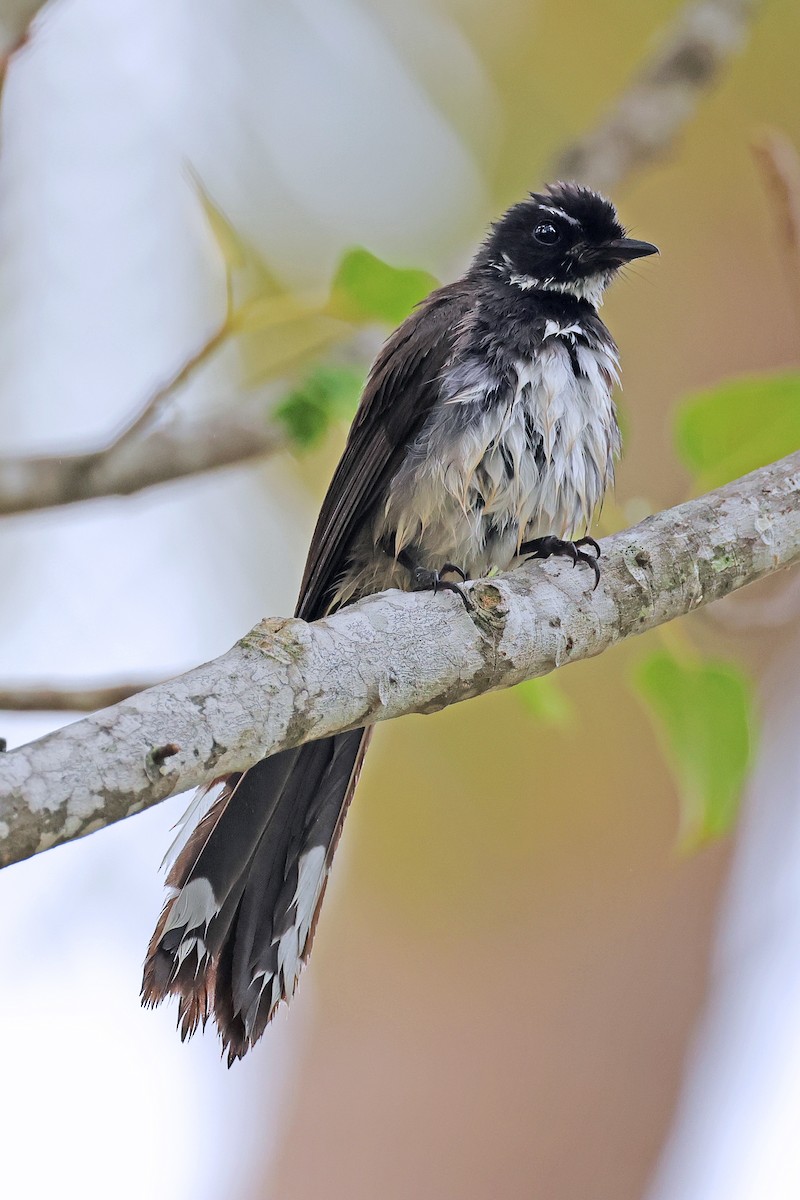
{"x": 546, "y": 233}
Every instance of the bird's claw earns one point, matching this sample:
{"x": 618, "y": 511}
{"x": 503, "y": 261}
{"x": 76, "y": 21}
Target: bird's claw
{"x": 431, "y": 581}
{"x": 452, "y": 569}
{"x": 588, "y": 541}
{"x": 549, "y": 547}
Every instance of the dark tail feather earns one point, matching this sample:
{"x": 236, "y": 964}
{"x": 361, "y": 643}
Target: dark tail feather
{"x": 248, "y": 887}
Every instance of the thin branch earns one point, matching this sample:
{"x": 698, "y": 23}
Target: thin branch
{"x": 16, "y": 18}
{"x": 144, "y": 454}
{"x": 44, "y": 481}
{"x": 287, "y": 682}
{"x": 780, "y": 167}
{"x": 78, "y": 698}
{"x": 186, "y": 447}
{"x": 647, "y": 118}
{"x": 154, "y": 405}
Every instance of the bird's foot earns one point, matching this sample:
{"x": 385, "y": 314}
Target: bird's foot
{"x": 549, "y": 547}
{"x": 426, "y": 580}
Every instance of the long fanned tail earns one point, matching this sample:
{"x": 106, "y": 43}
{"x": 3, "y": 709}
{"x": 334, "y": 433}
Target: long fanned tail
{"x": 249, "y": 881}
{"x": 248, "y": 886}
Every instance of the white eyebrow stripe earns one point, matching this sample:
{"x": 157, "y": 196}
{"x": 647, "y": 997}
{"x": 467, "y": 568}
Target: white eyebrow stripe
{"x": 559, "y": 212}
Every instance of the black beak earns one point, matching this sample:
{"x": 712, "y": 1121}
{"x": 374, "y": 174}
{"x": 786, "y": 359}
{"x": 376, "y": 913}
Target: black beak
{"x": 626, "y": 249}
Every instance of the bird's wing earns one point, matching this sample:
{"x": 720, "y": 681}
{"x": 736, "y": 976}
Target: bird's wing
{"x": 400, "y": 391}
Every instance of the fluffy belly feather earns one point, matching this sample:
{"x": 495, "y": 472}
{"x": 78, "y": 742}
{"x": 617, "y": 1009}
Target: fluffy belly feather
{"x": 497, "y": 462}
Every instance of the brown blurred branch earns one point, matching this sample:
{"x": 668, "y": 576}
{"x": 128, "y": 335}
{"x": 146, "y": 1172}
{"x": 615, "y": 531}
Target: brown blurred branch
{"x": 186, "y": 448}
{"x": 138, "y": 425}
{"x": 142, "y": 455}
{"x": 16, "y": 18}
{"x": 646, "y": 119}
{"x": 78, "y": 698}
{"x": 288, "y": 682}
{"x": 780, "y": 167}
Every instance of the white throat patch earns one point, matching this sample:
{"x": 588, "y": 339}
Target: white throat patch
{"x": 591, "y": 288}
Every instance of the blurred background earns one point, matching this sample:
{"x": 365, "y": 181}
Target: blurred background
{"x": 537, "y": 974}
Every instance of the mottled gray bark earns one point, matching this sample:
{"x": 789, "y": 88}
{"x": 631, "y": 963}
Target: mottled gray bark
{"x": 287, "y": 682}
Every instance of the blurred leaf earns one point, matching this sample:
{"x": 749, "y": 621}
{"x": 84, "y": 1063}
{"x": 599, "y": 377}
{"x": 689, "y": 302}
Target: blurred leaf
{"x": 366, "y": 288}
{"x": 270, "y": 312}
{"x": 546, "y": 700}
{"x": 232, "y": 248}
{"x": 703, "y": 714}
{"x": 738, "y": 426}
{"x": 328, "y": 394}
{"x": 241, "y": 257}
{"x": 278, "y": 332}
{"x": 277, "y": 351}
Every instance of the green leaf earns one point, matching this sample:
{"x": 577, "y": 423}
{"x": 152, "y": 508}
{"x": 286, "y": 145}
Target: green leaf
{"x": 546, "y": 700}
{"x": 738, "y": 426}
{"x": 703, "y": 715}
{"x": 366, "y": 288}
{"x": 330, "y": 393}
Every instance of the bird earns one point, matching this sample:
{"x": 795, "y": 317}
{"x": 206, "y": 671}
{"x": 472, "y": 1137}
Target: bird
{"x": 486, "y": 435}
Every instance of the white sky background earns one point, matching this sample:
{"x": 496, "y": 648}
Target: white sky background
{"x": 311, "y": 131}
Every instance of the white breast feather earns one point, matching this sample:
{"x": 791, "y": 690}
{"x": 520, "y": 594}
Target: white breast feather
{"x": 473, "y": 487}
{"x": 575, "y": 416}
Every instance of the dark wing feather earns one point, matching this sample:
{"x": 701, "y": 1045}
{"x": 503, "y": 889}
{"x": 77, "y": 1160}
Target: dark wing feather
{"x": 402, "y": 387}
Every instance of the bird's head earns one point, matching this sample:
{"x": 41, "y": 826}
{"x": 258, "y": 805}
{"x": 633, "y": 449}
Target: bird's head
{"x": 566, "y": 239}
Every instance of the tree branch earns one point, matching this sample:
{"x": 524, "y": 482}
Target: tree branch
{"x": 186, "y": 447}
{"x": 780, "y": 167}
{"x": 142, "y": 453}
{"x": 646, "y": 119}
{"x": 78, "y": 698}
{"x": 287, "y": 682}
{"x": 16, "y": 18}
